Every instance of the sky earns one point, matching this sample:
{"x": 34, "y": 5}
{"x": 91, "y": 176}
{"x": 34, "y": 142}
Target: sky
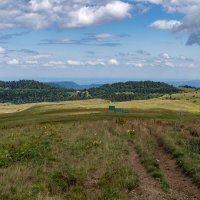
{"x": 51, "y": 40}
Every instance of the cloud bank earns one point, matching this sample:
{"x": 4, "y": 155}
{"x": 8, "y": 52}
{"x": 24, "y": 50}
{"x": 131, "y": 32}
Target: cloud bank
{"x": 40, "y": 14}
{"x": 29, "y": 59}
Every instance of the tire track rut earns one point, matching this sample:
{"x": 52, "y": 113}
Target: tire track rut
{"x": 181, "y": 187}
{"x": 148, "y": 188}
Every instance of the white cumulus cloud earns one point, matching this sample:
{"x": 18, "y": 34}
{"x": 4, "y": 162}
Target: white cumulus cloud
{"x": 95, "y": 62}
{"x": 113, "y": 61}
{"x": 166, "y": 24}
{"x": 39, "y": 14}
{"x": 2, "y": 50}
{"x": 74, "y": 62}
{"x": 191, "y": 20}
{"x": 103, "y": 35}
{"x": 13, "y": 62}
{"x": 164, "y": 55}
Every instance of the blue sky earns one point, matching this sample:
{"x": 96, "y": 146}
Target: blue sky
{"x": 73, "y": 39}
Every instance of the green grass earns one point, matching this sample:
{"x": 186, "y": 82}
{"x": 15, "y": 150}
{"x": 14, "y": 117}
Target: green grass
{"x": 146, "y": 147}
{"x": 35, "y": 115}
{"x": 20, "y": 147}
{"x": 184, "y": 147}
{"x": 66, "y": 161}
{"x": 118, "y": 178}
{"x": 79, "y": 150}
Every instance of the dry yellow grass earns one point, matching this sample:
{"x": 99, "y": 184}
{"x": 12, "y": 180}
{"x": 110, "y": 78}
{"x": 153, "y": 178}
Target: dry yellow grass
{"x": 11, "y": 108}
{"x": 191, "y": 95}
{"x": 159, "y": 103}
{"x": 176, "y": 105}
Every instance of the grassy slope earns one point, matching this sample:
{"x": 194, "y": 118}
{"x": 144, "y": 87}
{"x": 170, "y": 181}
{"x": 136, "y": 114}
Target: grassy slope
{"x": 57, "y": 150}
{"x": 160, "y": 108}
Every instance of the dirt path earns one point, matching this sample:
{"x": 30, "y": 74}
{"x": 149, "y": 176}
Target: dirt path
{"x": 181, "y": 186}
{"x": 148, "y": 188}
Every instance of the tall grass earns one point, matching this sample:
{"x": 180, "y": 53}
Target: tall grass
{"x": 78, "y": 160}
{"x": 184, "y": 147}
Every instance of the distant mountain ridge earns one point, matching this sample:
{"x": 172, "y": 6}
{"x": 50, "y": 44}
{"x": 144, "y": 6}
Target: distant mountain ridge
{"x": 76, "y": 86}
{"x": 72, "y": 85}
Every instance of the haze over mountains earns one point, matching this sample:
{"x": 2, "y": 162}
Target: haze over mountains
{"x": 72, "y": 85}
{"x": 192, "y": 83}
{"x": 75, "y": 85}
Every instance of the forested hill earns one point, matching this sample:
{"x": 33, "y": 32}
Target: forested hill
{"x": 26, "y": 91}
{"x": 132, "y": 90}
{"x": 24, "y": 84}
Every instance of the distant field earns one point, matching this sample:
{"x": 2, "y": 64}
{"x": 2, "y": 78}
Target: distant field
{"x": 178, "y": 104}
{"x": 188, "y": 101}
{"x": 11, "y": 108}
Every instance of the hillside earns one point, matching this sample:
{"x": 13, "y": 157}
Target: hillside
{"x": 132, "y": 90}
{"x": 81, "y": 150}
{"x": 24, "y": 84}
{"x": 28, "y": 91}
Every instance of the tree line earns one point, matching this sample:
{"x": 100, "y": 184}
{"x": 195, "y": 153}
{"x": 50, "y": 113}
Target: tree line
{"x": 132, "y": 90}
{"x": 29, "y": 91}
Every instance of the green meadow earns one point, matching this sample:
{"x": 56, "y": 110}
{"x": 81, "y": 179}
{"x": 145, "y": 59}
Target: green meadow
{"x": 81, "y": 150}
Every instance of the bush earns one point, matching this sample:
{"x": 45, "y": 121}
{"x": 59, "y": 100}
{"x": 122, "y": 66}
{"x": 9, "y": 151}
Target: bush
{"x": 121, "y": 121}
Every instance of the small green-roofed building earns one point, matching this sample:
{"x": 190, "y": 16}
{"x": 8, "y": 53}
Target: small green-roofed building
{"x": 121, "y": 110}
{"x": 112, "y": 108}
